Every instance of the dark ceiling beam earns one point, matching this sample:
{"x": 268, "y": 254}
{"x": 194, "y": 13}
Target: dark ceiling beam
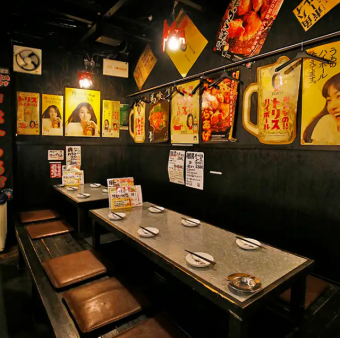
{"x": 135, "y": 22}
{"x": 68, "y": 16}
{"x": 89, "y": 5}
{"x": 89, "y": 33}
{"x": 114, "y": 9}
{"x": 192, "y": 5}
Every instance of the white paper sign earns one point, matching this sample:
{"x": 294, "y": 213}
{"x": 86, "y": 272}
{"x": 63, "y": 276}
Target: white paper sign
{"x": 194, "y": 174}
{"x": 135, "y": 193}
{"x": 56, "y": 155}
{"x": 73, "y": 156}
{"x": 176, "y": 166}
{"x": 115, "y": 68}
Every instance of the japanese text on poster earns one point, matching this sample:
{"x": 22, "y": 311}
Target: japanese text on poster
{"x": 28, "y": 113}
{"x": 56, "y": 155}
{"x": 52, "y": 115}
{"x": 118, "y": 192}
{"x": 176, "y": 166}
{"x": 135, "y": 193}
{"x": 138, "y": 124}
{"x": 111, "y": 118}
{"x": 310, "y": 12}
{"x": 55, "y": 169}
{"x": 73, "y": 156}
{"x": 194, "y": 173}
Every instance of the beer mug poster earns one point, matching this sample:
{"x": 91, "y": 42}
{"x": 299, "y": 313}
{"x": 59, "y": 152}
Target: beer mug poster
{"x": 52, "y": 115}
{"x": 277, "y": 103}
{"x": 82, "y": 112}
{"x": 320, "y": 122}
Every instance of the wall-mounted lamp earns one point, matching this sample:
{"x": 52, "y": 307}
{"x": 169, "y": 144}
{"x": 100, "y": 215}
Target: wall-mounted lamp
{"x": 85, "y": 79}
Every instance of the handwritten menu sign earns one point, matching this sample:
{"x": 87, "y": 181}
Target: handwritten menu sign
{"x": 73, "y": 156}
{"x": 310, "y": 12}
{"x": 194, "y": 170}
{"x": 55, "y": 169}
{"x": 56, "y": 155}
{"x": 176, "y": 166}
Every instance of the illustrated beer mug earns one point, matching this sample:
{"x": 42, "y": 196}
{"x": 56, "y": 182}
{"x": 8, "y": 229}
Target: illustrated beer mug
{"x": 138, "y": 113}
{"x": 277, "y": 103}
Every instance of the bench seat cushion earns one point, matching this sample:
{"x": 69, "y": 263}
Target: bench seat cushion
{"x": 100, "y": 303}
{"x": 38, "y": 216}
{"x": 74, "y": 268}
{"x": 159, "y": 326}
{"x": 314, "y": 288}
{"x": 45, "y": 229}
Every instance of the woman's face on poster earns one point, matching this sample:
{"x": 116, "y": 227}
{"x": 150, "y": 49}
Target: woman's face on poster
{"x": 53, "y": 114}
{"x": 190, "y": 121}
{"x": 333, "y": 102}
{"x": 278, "y": 82}
{"x": 106, "y": 124}
{"x": 84, "y": 114}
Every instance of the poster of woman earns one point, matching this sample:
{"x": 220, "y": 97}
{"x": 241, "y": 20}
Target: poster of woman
{"x": 111, "y": 118}
{"x": 320, "y": 123}
{"x": 28, "y": 113}
{"x": 82, "y": 112}
{"x": 52, "y": 115}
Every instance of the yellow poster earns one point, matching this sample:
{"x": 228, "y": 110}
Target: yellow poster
{"x": 111, "y": 118}
{"x": 82, "y": 112}
{"x": 52, "y": 115}
{"x": 137, "y": 127}
{"x": 195, "y": 41}
{"x": 310, "y": 12}
{"x": 28, "y": 113}
{"x": 144, "y": 66}
{"x": 320, "y": 124}
{"x": 185, "y": 114}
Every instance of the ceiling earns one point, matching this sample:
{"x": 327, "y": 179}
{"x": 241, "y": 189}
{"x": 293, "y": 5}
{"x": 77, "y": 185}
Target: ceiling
{"x": 79, "y": 23}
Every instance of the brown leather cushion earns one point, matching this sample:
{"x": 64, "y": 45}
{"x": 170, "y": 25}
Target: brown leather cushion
{"x": 100, "y": 303}
{"x": 74, "y": 268}
{"x": 158, "y": 327}
{"x": 47, "y": 229}
{"x": 314, "y": 288}
{"x": 37, "y": 216}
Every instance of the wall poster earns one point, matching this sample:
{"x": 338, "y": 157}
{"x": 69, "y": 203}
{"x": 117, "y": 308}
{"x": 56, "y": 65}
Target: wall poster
{"x": 52, "y": 115}
{"x": 144, "y": 66}
{"x": 310, "y": 12}
{"x": 138, "y": 122}
{"x": 218, "y": 110}
{"x": 82, "y": 112}
{"x": 159, "y": 117}
{"x": 194, "y": 170}
{"x": 55, "y": 169}
{"x": 55, "y": 155}
{"x": 28, "y": 113}
{"x": 111, "y": 119}
{"x": 195, "y": 41}
{"x": 277, "y": 103}
{"x": 185, "y": 114}
{"x": 176, "y": 166}
{"x": 124, "y": 116}
{"x": 320, "y": 123}
{"x": 245, "y": 26}
{"x": 73, "y": 156}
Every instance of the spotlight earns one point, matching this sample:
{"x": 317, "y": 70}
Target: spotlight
{"x": 85, "y": 79}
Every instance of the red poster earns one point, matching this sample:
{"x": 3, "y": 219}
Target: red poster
{"x": 55, "y": 169}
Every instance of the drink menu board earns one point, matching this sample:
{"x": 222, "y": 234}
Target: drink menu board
{"x": 28, "y": 113}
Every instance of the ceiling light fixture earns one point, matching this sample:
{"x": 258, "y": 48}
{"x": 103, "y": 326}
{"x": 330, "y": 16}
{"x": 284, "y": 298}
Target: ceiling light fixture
{"x": 85, "y": 79}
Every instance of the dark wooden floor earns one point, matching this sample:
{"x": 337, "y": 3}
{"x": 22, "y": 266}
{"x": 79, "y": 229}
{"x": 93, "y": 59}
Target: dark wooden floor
{"x": 196, "y": 315}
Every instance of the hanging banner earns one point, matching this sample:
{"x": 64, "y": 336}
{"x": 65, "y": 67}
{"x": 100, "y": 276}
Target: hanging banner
{"x": 277, "y": 103}
{"x": 159, "y": 117}
{"x": 310, "y": 12}
{"x": 82, "y": 112}
{"x": 138, "y": 122}
{"x": 185, "y": 114}
{"x": 55, "y": 169}
{"x": 111, "y": 119}
{"x": 124, "y": 116}
{"x": 73, "y": 156}
{"x": 55, "y": 155}
{"x": 144, "y": 66}
{"x": 218, "y": 110}
{"x": 28, "y": 113}
{"x": 195, "y": 44}
{"x": 52, "y": 115}
{"x": 194, "y": 170}
{"x": 320, "y": 123}
{"x": 245, "y": 26}
{"x": 176, "y": 166}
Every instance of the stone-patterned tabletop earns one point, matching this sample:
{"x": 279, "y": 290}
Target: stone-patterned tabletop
{"x": 269, "y": 264}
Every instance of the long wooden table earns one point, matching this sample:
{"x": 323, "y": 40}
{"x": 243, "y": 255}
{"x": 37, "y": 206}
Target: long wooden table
{"x": 277, "y": 270}
{"x": 97, "y": 199}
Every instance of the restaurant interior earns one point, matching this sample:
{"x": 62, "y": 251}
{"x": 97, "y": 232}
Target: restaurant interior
{"x": 168, "y": 169}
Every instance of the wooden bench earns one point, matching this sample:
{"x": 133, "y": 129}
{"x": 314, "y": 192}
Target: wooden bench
{"x": 33, "y": 253}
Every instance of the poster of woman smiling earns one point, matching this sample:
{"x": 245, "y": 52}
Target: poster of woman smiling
{"x": 52, "y": 115}
{"x": 321, "y": 98}
{"x": 82, "y": 112}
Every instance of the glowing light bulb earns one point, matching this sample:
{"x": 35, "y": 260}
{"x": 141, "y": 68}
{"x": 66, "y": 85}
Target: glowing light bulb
{"x": 173, "y": 43}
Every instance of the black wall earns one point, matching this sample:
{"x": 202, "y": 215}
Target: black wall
{"x": 284, "y": 195}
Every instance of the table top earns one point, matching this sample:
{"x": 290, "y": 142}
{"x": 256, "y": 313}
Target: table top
{"x": 96, "y": 194}
{"x": 269, "y": 264}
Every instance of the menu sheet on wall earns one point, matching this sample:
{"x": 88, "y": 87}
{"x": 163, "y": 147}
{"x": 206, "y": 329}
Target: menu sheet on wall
{"x": 55, "y": 169}
{"x": 73, "y": 156}
{"x": 176, "y": 166}
{"x": 56, "y": 155}
{"x": 28, "y": 113}
{"x": 194, "y": 177}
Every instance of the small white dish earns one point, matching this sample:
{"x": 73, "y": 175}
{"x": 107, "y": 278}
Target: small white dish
{"x": 61, "y": 185}
{"x": 105, "y": 190}
{"x": 247, "y": 246}
{"x": 156, "y": 211}
{"x": 190, "y": 222}
{"x": 83, "y": 195}
{"x": 198, "y": 262}
{"x": 143, "y": 233}
{"x": 71, "y": 188}
{"x": 114, "y": 217}
{"x": 95, "y": 185}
